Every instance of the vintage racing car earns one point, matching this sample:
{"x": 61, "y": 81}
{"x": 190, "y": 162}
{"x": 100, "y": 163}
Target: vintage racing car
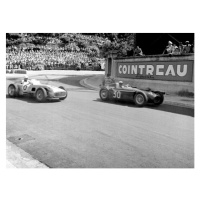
{"x": 35, "y": 88}
{"x": 138, "y": 96}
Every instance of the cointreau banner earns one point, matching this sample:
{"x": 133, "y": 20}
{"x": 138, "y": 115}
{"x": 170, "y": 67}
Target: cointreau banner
{"x": 166, "y": 71}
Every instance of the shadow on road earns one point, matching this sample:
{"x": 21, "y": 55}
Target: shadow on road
{"x": 175, "y": 109}
{"x": 163, "y": 107}
{"x": 30, "y": 99}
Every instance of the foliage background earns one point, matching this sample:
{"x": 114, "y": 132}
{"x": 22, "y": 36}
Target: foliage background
{"x": 94, "y": 44}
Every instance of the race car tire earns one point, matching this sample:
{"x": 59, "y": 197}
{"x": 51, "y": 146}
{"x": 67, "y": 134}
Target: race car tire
{"x": 61, "y": 87}
{"x": 104, "y": 94}
{"x": 140, "y": 99}
{"x": 12, "y": 90}
{"x": 159, "y": 100}
{"x": 41, "y": 95}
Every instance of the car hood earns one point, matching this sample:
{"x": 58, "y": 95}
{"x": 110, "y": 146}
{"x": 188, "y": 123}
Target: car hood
{"x": 37, "y": 83}
{"x": 54, "y": 88}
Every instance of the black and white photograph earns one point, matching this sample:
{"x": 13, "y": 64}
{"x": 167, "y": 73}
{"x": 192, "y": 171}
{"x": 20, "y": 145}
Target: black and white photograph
{"x": 99, "y": 100}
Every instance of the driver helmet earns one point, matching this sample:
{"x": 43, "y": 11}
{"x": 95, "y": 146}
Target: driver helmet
{"x": 120, "y": 82}
{"x": 169, "y": 42}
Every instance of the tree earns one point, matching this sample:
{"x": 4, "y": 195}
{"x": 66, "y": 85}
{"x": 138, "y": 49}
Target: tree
{"x": 123, "y": 43}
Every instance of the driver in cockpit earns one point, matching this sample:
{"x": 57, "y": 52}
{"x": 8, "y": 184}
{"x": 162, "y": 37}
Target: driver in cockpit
{"x": 25, "y": 82}
{"x": 120, "y": 85}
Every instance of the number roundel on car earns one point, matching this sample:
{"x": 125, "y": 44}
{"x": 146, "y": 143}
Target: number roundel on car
{"x": 25, "y": 87}
{"x": 116, "y": 94}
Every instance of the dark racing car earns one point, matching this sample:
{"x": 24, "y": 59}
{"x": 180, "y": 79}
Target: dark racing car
{"x": 138, "y": 96}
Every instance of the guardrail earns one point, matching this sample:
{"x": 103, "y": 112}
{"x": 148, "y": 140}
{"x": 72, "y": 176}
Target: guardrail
{"x": 16, "y": 71}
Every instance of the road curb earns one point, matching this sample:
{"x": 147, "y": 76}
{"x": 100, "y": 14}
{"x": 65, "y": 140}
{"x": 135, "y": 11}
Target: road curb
{"x": 84, "y": 83}
{"x": 18, "y": 158}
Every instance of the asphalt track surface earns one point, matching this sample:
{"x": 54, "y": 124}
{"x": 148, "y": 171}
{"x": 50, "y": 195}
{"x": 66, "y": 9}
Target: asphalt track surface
{"x": 84, "y": 132}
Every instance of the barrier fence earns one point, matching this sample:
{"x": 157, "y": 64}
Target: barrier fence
{"x": 16, "y": 71}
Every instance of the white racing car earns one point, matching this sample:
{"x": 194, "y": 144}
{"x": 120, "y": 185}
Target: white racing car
{"x": 35, "y": 88}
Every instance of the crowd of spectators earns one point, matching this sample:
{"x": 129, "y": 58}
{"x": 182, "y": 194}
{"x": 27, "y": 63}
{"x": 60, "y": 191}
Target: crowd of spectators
{"x": 65, "y": 51}
{"x": 48, "y": 57}
{"x": 173, "y": 49}
{"x": 71, "y": 51}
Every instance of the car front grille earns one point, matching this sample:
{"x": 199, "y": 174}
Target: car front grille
{"x": 60, "y": 94}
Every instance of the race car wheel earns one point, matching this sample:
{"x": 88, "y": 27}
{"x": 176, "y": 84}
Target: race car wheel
{"x": 159, "y": 99}
{"x": 140, "y": 99}
{"x": 12, "y": 91}
{"x": 61, "y": 87}
{"x": 104, "y": 94}
{"x": 41, "y": 95}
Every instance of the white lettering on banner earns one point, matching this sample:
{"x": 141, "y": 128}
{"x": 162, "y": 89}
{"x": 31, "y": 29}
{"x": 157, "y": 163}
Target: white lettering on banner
{"x": 181, "y": 70}
{"x": 158, "y": 72}
{"x": 184, "y": 72}
{"x": 141, "y": 68}
{"x": 120, "y": 67}
{"x": 133, "y": 69}
{"x": 149, "y": 70}
{"x": 170, "y": 70}
{"x": 128, "y": 69}
{"x": 124, "y": 69}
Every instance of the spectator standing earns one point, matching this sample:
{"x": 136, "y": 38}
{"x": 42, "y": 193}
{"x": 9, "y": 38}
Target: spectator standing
{"x": 169, "y": 48}
{"x": 187, "y": 47}
{"x": 181, "y": 47}
{"x": 192, "y": 48}
{"x": 138, "y": 51}
{"x": 175, "y": 50}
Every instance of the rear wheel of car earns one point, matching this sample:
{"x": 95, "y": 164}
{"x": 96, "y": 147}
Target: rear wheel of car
{"x": 12, "y": 90}
{"x": 61, "y": 87}
{"x": 104, "y": 94}
{"x": 140, "y": 99}
{"x": 41, "y": 95}
{"x": 159, "y": 99}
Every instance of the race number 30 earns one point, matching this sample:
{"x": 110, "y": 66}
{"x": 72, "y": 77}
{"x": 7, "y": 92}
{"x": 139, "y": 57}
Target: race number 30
{"x": 117, "y": 94}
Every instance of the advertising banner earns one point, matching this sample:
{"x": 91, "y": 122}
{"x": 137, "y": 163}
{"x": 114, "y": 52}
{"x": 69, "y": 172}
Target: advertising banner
{"x": 157, "y": 70}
